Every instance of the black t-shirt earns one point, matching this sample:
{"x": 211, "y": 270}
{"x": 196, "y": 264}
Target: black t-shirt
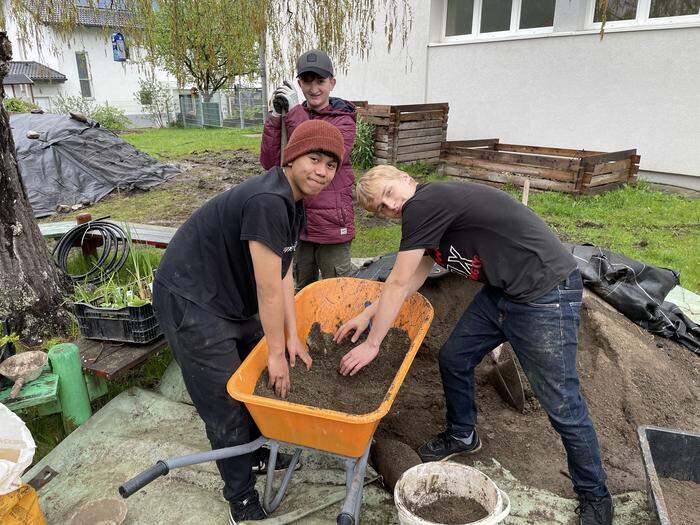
{"x": 482, "y": 233}
{"x": 208, "y": 260}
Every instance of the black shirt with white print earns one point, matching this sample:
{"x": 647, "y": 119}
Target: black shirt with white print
{"x": 483, "y": 234}
{"x": 208, "y": 260}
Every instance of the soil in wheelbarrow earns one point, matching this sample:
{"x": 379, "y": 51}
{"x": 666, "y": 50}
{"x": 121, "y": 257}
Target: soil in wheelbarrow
{"x": 324, "y": 387}
{"x": 629, "y": 377}
{"x": 451, "y": 510}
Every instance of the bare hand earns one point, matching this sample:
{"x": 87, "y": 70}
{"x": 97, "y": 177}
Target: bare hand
{"x": 359, "y": 324}
{"x": 278, "y": 371}
{"x": 357, "y": 358}
{"x": 295, "y": 348}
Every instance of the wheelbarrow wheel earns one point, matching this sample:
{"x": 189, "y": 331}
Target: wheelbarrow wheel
{"x": 345, "y": 519}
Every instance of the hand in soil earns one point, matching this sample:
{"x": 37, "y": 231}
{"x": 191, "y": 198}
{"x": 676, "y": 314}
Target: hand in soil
{"x": 295, "y": 348}
{"x": 278, "y": 373}
{"x": 359, "y": 324}
{"x": 357, "y": 358}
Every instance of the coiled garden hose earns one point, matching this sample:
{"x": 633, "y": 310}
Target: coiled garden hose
{"x": 115, "y": 249}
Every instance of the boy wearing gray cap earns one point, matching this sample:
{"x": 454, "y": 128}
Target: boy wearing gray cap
{"x": 325, "y": 242}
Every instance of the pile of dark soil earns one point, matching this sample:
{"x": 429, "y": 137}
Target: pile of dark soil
{"x": 324, "y": 387}
{"x": 682, "y": 499}
{"x": 628, "y": 378}
{"x": 451, "y": 510}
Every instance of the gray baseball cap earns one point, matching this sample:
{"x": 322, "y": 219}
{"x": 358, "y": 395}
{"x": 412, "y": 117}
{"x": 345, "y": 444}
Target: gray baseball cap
{"x": 315, "y": 61}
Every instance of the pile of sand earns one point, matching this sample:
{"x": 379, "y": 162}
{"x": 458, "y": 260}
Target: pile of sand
{"x": 628, "y": 377}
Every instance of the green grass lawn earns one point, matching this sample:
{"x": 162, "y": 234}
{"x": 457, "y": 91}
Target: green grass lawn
{"x": 173, "y": 143}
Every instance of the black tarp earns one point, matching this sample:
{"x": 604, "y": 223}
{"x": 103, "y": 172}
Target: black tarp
{"x": 75, "y": 162}
{"x": 635, "y": 289}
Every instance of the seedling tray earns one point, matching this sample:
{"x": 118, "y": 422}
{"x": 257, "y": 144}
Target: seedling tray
{"x": 130, "y": 324}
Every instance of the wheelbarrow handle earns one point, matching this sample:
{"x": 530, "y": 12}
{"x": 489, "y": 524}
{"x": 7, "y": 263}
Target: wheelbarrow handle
{"x": 144, "y": 478}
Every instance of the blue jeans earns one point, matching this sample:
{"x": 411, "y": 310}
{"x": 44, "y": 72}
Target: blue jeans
{"x": 543, "y": 334}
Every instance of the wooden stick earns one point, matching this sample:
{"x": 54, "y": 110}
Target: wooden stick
{"x": 526, "y": 191}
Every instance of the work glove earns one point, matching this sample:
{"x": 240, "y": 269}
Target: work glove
{"x": 284, "y": 98}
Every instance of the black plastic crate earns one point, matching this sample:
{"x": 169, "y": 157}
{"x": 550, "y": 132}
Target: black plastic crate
{"x": 131, "y": 324}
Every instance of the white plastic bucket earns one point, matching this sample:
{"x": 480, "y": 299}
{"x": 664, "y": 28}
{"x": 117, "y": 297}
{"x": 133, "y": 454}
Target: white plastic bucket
{"x": 421, "y": 485}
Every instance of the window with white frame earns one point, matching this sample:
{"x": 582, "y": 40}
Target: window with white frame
{"x": 81, "y": 59}
{"x": 621, "y": 13}
{"x": 466, "y": 19}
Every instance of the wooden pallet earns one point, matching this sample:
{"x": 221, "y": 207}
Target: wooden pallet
{"x": 406, "y": 133}
{"x": 562, "y": 169}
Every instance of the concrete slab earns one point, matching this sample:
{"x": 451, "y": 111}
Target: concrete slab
{"x": 138, "y": 427}
{"x": 687, "y": 301}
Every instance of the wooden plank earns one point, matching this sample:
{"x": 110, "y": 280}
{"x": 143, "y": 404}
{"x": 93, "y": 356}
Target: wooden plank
{"x": 420, "y": 155}
{"x": 423, "y": 124}
{"x": 559, "y": 152}
{"x": 435, "y": 139}
{"x": 382, "y": 154}
{"x": 607, "y": 178}
{"x": 416, "y": 133}
{"x": 380, "y": 146}
{"x": 422, "y": 107}
{"x": 532, "y": 171}
{"x": 597, "y": 190}
{"x": 502, "y": 178}
{"x": 609, "y": 167}
{"x": 517, "y": 158}
{"x": 158, "y": 236}
{"x": 430, "y": 146}
{"x": 420, "y": 115}
{"x": 471, "y": 143}
{"x": 608, "y": 157}
{"x": 112, "y": 360}
{"x": 377, "y": 161}
{"x": 376, "y": 121}
{"x": 42, "y": 390}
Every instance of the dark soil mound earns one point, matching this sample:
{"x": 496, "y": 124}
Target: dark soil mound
{"x": 628, "y": 377}
{"x": 451, "y": 510}
{"x": 324, "y": 387}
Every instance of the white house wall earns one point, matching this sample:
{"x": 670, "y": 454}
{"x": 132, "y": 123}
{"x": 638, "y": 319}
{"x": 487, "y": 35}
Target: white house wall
{"x": 634, "y": 89}
{"x": 113, "y": 83}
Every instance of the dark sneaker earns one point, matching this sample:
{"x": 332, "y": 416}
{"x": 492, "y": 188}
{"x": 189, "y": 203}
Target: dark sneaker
{"x": 261, "y": 456}
{"x": 595, "y": 511}
{"x": 248, "y": 509}
{"x": 444, "y": 446}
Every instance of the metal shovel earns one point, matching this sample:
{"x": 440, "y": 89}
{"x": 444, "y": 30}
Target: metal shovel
{"x": 505, "y": 377}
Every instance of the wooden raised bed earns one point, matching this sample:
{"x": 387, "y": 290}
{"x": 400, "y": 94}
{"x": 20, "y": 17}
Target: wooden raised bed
{"x": 568, "y": 170}
{"x": 407, "y": 133}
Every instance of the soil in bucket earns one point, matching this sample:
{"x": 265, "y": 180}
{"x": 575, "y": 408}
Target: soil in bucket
{"x": 324, "y": 387}
{"x": 449, "y": 509}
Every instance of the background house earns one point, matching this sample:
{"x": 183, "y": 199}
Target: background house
{"x": 88, "y": 64}
{"x": 33, "y": 82}
{"x": 537, "y": 72}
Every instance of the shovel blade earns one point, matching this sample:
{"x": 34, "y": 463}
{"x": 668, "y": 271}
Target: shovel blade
{"x": 506, "y": 379}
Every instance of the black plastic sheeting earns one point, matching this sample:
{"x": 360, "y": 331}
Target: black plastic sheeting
{"x": 635, "y": 289}
{"x": 75, "y": 162}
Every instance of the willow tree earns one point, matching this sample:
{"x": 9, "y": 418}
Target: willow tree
{"x": 32, "y": 289}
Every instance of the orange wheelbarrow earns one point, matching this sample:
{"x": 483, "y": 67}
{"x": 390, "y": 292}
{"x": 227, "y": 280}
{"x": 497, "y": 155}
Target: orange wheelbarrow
{"x": 342, "y": 435}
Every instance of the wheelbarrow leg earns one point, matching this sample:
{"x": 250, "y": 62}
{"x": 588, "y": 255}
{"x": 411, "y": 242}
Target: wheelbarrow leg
{"x": 270, "y": 504}
{"x": 355, "y": 476}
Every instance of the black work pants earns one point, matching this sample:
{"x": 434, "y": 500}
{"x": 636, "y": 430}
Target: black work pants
{"x": 209, "y": 349}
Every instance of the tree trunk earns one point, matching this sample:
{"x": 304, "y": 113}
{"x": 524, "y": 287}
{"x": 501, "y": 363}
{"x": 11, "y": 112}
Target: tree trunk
{"x": 31, "y": 286}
